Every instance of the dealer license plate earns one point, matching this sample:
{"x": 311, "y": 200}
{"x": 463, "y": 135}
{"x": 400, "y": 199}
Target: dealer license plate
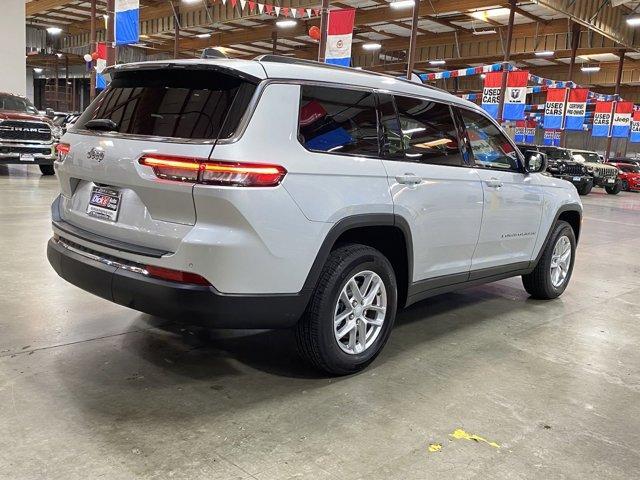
{"x": 104, "y": 203}
{"x": 576, "y": 179}
{"x": 27, "y": 157}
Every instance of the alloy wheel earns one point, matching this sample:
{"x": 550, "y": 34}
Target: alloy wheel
{"x": 360, "y": 312}
{"x": 560, "y": 261}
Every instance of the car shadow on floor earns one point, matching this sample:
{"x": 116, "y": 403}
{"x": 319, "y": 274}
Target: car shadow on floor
{"x": 200, "y": 352}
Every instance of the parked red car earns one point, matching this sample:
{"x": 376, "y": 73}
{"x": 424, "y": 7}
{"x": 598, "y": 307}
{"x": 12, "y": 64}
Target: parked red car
{"x": 630, "y": 176}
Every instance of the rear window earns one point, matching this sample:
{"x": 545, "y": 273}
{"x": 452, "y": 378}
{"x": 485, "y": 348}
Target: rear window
{"x": 186, "y": 104}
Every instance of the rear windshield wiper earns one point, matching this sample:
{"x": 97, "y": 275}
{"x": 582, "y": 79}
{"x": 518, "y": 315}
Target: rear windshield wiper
{"x": 104, "y": 124}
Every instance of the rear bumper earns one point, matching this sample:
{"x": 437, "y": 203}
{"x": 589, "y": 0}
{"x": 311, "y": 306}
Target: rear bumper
{"x": 188, "y": 303}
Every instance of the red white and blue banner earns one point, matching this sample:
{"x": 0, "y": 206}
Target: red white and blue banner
{"x": 515, "y": 95}
{"x": 525, "y": 131}
{"x": 339, "y": 36}
{"x": 463, "y": 72}
{"x": 552, "y": 138}
{"x": 127, "y": 21}
{"x": 101, "y": 64}
{"x": 635, "y": 127}
{"x": 602, "y": 119}
{"x": 622, "y": 120}
{"x": 554, "y": 108}
{"x": 491, "y": 93}
{"x": 576, "y": 108}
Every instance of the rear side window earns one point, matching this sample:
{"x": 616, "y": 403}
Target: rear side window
{"x": 428, "y": 132}
{"x": 338, "y": 120}
{"x": 187, "y": 104}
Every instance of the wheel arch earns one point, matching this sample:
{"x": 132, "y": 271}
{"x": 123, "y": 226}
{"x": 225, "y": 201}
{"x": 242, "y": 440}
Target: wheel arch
{"x": 570, "y": 213}
{"x": 388, "y": 233}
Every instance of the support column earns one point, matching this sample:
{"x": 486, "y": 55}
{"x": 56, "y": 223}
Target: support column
{"x": 111, "y": 51}
{"x": 412, "y": 42}
{"x": 324, "y": 21}
{"x": 575, "y": 42}
{"x": 12, "y": 54}
{"x": 274, "y": 42}
{"x": 507, "y": 56}
{"x": 92, "y": 48}
{"x": 176, "y": 22}
{"x": 621, "y": 53}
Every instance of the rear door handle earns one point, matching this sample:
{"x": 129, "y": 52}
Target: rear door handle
{"x": 408, "y": 179}
{"x": 493, "y": 183}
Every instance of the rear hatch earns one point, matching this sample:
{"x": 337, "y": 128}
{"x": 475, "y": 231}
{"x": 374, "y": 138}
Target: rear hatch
{"x": 172, "y": 109}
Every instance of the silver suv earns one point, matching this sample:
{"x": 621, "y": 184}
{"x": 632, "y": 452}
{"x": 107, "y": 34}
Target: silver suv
{"x": 280, "y": 193}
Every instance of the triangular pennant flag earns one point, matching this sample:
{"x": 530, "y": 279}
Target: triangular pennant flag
{"x": 285, "y": 11}
{"x": 268, "y": 8}
{"x": 316, "y": 11}
{"x": 309, "y": 12}
{"x": 277, "y": 9}
{"x": 252, "y": 6}
{"x": 261, "y": 7}
{"x": 233, "y": 3}
{"x": 293, "y": 12}
{"x": 224, "y": 2}
{"x": 301, "y": 12}
{"x": 242, "y": 4}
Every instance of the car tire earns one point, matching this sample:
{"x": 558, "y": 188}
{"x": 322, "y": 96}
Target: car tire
{"x": 47, "y": 169}
{"x": 586, "y": 188}
{"x": 540, "y": 283}
{"x": 615, "y": 189}
{"x": 316, "y": 334}
{"x": 625, "y": 186}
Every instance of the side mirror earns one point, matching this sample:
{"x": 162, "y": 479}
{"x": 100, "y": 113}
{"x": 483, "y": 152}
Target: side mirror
{"x": 535, "y": 162}
{"x": 50, "y": 113}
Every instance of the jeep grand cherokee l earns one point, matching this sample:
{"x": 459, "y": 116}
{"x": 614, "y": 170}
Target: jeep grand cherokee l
{"x": 280, "y": 193}
{"x": 26, "y": 137}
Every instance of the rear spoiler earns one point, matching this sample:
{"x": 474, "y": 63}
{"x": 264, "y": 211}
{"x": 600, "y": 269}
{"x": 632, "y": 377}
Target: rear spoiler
{"x": 112, "y": 72}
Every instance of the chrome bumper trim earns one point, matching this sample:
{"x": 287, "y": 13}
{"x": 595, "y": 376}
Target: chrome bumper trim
{"x": 106, "y": 261}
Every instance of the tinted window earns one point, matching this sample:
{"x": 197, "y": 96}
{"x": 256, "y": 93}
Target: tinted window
{"x": 392, "y": 142}
{"x": 338, "y": 120}
{"x": 490, "y": 147}
{"x": 428, "y": 132}
{"x": 168, "y": 103}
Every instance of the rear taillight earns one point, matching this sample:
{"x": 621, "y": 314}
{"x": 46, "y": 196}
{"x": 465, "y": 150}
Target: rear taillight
{"x": 185, "y": 169}
{"x": 175, "y": 275}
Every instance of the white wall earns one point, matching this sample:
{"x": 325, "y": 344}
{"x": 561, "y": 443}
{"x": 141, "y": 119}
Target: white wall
{"x": 13, "y": 69}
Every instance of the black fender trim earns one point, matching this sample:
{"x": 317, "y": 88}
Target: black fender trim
{"x": 350, "y": 223}
{"x": 569, "y": 207}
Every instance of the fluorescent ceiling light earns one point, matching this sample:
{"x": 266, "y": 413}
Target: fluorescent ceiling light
{"x": 402, "y": 4}
{"x": 590, "y": 69}
{"x": 409, "y": 131}
{"x": 191, "y": 1}
{"x": 486, "y": 31}
{"x": 286, "y": 23}
{"x": 633, "y": 20}
{"x": 37, "y": 70}
{"x": 371, "y": 46}
{"x": 494, "y": 12}
{"x": 54, "y": 30}
{"x": 437, "y": 62}
{"x": 203, "y": 35}
{"x": 545, "y": 53}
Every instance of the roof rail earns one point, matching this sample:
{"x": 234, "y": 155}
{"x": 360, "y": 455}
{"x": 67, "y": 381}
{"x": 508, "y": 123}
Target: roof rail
{"x": 314, "y": 63}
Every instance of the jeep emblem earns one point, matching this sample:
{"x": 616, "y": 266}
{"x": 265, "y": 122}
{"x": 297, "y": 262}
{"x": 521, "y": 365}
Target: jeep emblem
{"x": 96, "y": 153}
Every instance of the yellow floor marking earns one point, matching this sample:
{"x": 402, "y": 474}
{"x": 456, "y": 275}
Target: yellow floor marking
{"x": 460, "y": 434}
{"x": 435, "y": 447}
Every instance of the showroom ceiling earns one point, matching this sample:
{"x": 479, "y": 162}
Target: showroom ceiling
{"x": 463, "y": 32}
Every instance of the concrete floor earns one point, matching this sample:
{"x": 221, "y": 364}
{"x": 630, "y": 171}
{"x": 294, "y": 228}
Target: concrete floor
{"x": 89, "y": 389}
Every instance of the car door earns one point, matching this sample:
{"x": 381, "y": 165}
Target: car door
{"x": 512, "y": 200}
{"x": 431, "y": 187}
